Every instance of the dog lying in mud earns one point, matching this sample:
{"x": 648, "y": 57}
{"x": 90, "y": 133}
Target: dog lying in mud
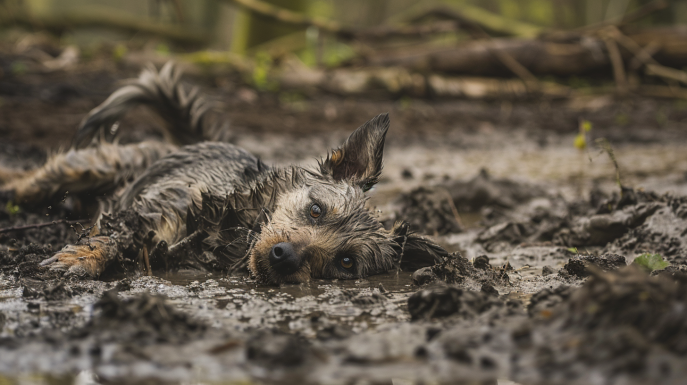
{"x": 213, "y": 205}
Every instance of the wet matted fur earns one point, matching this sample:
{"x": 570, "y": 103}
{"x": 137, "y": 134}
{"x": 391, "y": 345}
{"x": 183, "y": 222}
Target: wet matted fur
{"x": 214, "y": 205}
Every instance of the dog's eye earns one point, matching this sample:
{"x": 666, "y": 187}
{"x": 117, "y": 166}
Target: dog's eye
{"x": 368, "y": 186}
{"x": 346, "y": 262}
{"x": 315, "y": 211}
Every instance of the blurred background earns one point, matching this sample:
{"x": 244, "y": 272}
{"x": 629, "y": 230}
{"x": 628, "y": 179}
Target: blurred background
{"x": 520, "y": 88}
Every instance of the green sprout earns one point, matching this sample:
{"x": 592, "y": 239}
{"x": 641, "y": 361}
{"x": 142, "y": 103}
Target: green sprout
{"x": 12, "y": 209}
{"x": 581, "y": 138}
{"x": 650, "y": 262}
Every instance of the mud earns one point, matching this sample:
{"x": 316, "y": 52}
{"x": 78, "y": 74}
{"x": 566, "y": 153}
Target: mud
{"x": 535, "y": 289}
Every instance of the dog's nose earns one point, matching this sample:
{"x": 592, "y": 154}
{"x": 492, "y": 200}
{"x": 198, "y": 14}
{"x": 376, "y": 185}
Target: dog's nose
{"x": 284, "y": 259}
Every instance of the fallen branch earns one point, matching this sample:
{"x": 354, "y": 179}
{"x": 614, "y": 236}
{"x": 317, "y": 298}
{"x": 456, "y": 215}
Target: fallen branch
{"x": 617, "y": 63}
{"x": 645, "y": 57}
{"x": 470, "y": 14}
{"x": 401, "y": 81}
{"x": 666, "y": 72}
{"x": 576, "y": 57}
{"x": 41, "y": 225}
{"x": 96, "y": 17}
{"x": 288, "y": 16}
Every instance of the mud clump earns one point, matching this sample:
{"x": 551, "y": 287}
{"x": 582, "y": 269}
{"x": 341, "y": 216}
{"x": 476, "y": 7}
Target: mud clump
{"x": 55, "y": 235}
{"x": 272, "y": 350}
{"x": 456, "y": 269}
{"x": 483, "y": 190}
{"x": 146, "y": 319}
{"x": 620, "y": 322}
{"x": 24, "y": 261}
{"x": 453, "y": 269}
{"x": 444, "y": 301}
{"x": 581, "y": 266}
{"x": 429, "y": 210}
{"x": 482, "y": 263}
{"x": 541, "y": 302}
{"x": 57, "y": 292}
{"x": 664, "y": 233}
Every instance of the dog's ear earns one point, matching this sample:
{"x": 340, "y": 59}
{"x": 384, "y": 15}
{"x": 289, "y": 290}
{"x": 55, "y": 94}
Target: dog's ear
{"x": 360, "y": 157}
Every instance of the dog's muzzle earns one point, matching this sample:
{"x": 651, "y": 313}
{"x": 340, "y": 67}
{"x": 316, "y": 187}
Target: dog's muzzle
{"x": 284, "y": 259}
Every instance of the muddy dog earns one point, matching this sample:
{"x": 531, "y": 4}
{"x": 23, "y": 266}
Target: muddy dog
{"x": 211, "y": 204}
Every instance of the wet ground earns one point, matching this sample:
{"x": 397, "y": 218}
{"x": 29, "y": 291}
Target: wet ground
{"x": 537, "y": 291}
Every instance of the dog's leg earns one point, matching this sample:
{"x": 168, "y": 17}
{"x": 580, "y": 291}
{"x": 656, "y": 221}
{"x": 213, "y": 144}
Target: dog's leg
{"x": 100, "y": 168}
{"x": 88, "y": 260}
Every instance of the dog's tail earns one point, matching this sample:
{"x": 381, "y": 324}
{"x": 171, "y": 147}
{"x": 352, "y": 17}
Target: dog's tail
{"x": 188, "y": 115}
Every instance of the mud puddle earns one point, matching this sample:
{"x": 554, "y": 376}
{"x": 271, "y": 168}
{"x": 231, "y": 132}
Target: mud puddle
{"x": 538, "y": 291}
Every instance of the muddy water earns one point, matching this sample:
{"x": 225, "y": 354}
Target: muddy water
{"x": 361, "y": 331}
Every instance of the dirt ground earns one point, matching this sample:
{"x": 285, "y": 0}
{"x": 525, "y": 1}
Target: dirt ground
{"x": 537, "y": 290}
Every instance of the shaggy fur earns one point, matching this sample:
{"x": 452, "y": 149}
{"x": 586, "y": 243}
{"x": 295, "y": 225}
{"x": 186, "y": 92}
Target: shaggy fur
{"x": 220, "y": 205}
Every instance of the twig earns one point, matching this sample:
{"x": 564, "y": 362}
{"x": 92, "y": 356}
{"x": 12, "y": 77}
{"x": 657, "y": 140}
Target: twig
{"x": 617, "y": 62}
{"x": 519, "y": 70}
{"x": 666, "y": 72}
{"x": 242, "y": 262}
{"x": 454, "y": 210}
{"x": 644, "y": 55}
{"x": 40, "y": 225}
{"x": 182, "y": 243}
{"x": 606, "y": 146}
{"x": 146, "y": 260}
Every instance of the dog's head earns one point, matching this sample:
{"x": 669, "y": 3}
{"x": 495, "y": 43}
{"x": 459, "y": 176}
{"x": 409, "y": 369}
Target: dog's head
{"x": 319, "y": 226}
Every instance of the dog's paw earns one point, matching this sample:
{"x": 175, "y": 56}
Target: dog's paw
{"x": 88, "y": 260}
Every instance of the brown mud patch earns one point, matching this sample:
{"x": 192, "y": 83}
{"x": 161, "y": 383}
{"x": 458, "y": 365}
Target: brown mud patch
{"x": 523, "y": 296}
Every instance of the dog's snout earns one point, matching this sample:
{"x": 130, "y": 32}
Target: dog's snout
{"x": 284, "y": 259}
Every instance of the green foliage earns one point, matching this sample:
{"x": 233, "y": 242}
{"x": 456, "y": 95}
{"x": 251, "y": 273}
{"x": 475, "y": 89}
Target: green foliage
{"x": 573, "y": 250}
{"x": 118, "y": 52}
{"x": 12, "y": 209}
{"x": 321, "y": 8}
{"x": 581, "y": 138}
{"x": 333, "y": 52}
{"x": 19, "y": 68}
{"x": 162, "y": 49}
{"x": 261, "y": 70}
{"x": 650, "y": 262}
